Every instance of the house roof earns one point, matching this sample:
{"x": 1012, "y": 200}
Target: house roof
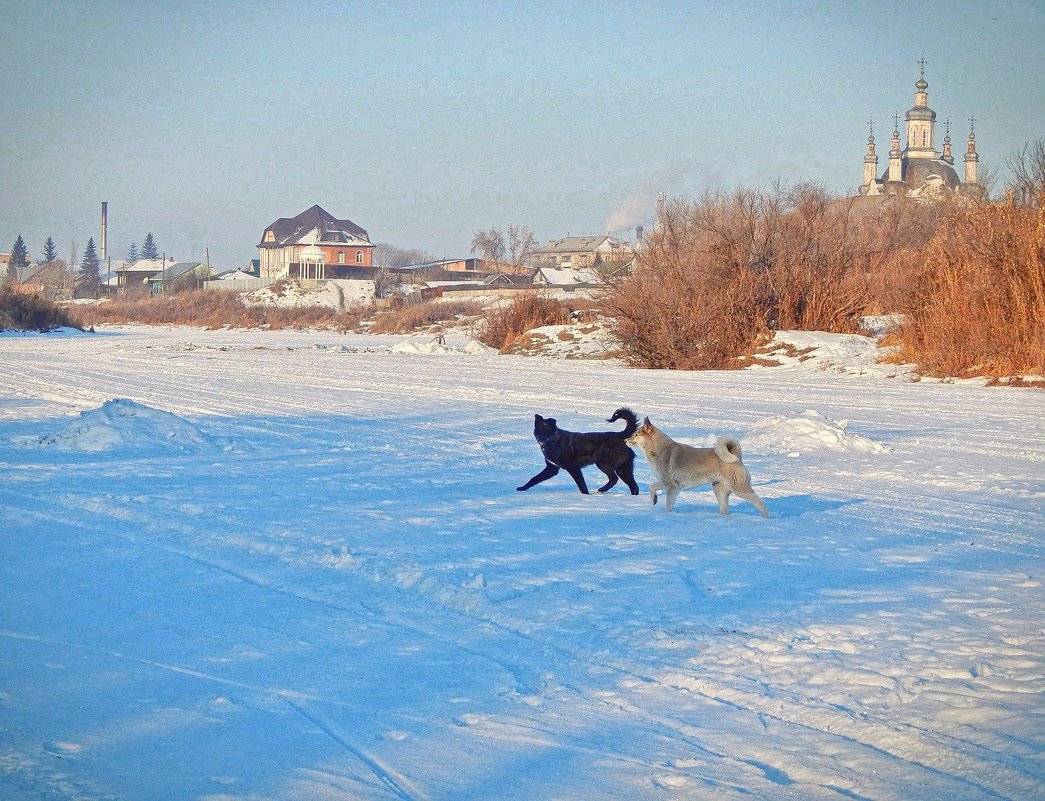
{"x": 178, "y": 269}
{"x": 314, "y": 224}
{"x": 142, "y": 266}
{"x": 583, "y": 244}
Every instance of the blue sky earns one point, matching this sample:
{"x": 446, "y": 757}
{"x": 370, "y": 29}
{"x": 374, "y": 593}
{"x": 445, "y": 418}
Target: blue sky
{"x": 424, "y": 122}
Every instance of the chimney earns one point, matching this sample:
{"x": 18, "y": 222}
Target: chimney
{"x": 105, "y": 214}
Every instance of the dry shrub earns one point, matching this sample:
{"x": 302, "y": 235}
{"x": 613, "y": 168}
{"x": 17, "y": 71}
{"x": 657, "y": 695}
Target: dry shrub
{"x": 423, "y": 315}
{"x": 501, "y": 327}
{"x": 978, "y": 305}
{"x": 722, "y": 273}
{"x": 215, "y": 309}
{"x": 21, "y": 311}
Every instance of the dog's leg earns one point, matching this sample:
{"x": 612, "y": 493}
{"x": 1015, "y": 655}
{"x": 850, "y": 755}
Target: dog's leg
{"x": 654, "y": 488}
{"x": 722, "y": 493}
{"x": 627, "y": 472}
{"x": 610, "y": 474}
{"x": 749, "y": 495}
{"x": 548, "y": 471}
{"x": 673, "y": 493}
{"x": 578, "y": 476}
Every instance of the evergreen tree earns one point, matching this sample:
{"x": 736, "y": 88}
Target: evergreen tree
{"x": 149, "y": 249}
{"x": 50, "y": 250}
{"x": 89, "y": 280}
{"x": 132, "y": 254}
{"x": 19, "y": 261}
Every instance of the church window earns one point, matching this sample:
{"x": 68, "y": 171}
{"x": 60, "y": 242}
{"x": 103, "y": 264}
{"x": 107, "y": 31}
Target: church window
{"x": 359, "y": 257}
{"x": 341, "y": 257}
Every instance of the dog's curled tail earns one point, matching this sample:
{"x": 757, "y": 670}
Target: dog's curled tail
{"x": 624, "y": 413}
{"x": 728, "y": 449}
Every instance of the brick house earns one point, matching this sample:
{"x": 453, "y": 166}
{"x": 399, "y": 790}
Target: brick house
{"x": 314, "y": 245}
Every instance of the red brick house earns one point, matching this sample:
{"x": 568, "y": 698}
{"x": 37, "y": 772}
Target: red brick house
{"x": 315, "y": 245}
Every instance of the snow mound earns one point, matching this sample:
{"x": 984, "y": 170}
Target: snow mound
{"x": 122, "y": 424}
{"x": 435, "y": 347}
{"x": 850, "y": 354}
{"x": 806, "y": 431}
{"x": 422, "y": 348}
{"x": 589, "y": 340}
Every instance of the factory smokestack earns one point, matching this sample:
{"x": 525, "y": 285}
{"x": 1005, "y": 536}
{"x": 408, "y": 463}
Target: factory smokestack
{"x": 105, "y": 222}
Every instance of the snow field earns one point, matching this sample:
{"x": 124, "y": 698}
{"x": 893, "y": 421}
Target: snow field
{"x": 335, "y": 592}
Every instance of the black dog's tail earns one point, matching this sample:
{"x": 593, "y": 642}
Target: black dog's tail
{"x": 624, "y": 413}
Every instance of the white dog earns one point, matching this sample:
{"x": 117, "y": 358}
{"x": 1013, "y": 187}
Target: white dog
{"x": 680, "y": 467}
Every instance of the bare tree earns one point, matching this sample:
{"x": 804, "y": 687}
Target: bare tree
{"x": 390, "y": 256}
{"x": 1027, "y": 165}
{"x": 489, "y": 244}
{"x": 521, "y": 244}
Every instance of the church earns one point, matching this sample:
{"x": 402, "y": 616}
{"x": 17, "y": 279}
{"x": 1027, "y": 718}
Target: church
{"x": 919, "y": 170}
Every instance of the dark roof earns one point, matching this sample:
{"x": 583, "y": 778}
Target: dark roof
{"x": 333, "y": 229}
{"x": 915, "y": 172}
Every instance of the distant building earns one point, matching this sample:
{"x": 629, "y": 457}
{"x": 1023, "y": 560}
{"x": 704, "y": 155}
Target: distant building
{"x": 314, "y": 245}
{"x": 918, "y": 169}
{"x": 135, "y": 275}
{"x": 584, "y": 251}
{"x": 180, "y": 275}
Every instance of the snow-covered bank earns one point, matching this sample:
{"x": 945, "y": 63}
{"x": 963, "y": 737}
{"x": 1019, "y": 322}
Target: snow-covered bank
{"x": 347, "y": 598}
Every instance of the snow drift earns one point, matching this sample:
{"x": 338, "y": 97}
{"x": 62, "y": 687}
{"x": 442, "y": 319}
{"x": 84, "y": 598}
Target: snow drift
{"x": 122, "y": 424}
{"x": 803, "y": 432}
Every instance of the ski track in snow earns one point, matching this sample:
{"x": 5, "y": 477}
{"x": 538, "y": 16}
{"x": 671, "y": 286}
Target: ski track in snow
{"x": 347, "y": 598}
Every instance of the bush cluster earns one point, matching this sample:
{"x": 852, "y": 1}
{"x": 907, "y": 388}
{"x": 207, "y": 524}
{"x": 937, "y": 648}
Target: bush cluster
{"x": 976, "y": 305}
{"x": 424, "y": 315}
{"x": 502, "y": 326}
{"x": 21, "y": 311}
{"x": 724, "y": 272}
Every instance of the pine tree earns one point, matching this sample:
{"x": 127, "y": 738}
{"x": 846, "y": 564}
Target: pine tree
{"x": 50, "y": 250}
{"x": 89, "y": 280}
{"x": 132, "y": 254}
{"x": 149, "y": 249}
{"x": 19, "y": 261}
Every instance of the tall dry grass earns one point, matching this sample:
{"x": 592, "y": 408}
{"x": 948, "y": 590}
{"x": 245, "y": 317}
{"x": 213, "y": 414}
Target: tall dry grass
{"x": 977, "y": 305}
{"x": 215, "y": 309}
{"x": 21, "y": 311}
{"x": 502, "y": 326}
{"x": 725, "y": 271}
{"x": 424, "y": 315}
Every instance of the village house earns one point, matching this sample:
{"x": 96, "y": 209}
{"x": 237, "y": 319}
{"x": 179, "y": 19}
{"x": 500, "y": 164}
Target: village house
{"x": 314, "y": 245}
{"x": 134, "y": 275}
{"x": 178, "y": 276}
{"x": 584, "y": 251}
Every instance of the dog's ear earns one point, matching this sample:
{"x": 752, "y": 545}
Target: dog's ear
{"x": 537, "y": 418}
{"x": 550, "y": 420}
{"x": 646, "y": 422}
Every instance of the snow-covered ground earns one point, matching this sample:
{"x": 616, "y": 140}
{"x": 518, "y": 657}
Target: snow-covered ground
{"x": 290, "y": 565}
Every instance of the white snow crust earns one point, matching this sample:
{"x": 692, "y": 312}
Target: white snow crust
{"x": 354, "y": 602}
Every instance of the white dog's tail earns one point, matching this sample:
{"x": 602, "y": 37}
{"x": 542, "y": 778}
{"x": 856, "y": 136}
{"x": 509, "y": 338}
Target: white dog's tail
{"x": 728, "y": 449}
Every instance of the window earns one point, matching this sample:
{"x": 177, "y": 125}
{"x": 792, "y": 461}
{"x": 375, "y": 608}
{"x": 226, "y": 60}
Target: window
{"x": 270, "y": 237}
{"x": 359, "y": 257}
{"x": 341, "y": 257}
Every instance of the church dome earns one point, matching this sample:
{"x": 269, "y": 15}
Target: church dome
{"x": 921, "y": 113}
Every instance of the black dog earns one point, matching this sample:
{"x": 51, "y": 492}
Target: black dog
{"x": 571, "y": 451}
